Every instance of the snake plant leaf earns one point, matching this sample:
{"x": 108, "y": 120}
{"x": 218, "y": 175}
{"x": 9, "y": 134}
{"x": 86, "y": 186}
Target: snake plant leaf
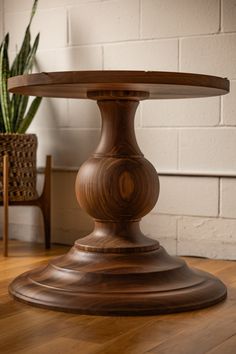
{"x": 4, "y": 75}
{"x": 21, "y": 111}
{"x": 13, "y": 107}
{"x": 34, "y": 8}
{"x": 18, "y": 68}
{"x": 20, "y": 62}
{"x": 30, "y": 115}
{"x": 31, "y": 56}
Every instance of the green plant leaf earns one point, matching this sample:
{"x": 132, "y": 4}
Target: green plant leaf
{"x": 30, "y": 59}
{"x": 4, "y": 75}
{"x": 20, "y": 60}
{"x": 34, "y": 8}
{"x": 30, "y": 115}
{"x": 14, "y": 106}
{"x": 22, "y": 105}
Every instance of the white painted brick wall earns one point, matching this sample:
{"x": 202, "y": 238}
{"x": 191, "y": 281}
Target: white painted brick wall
{"x": 78, "y": 58}
{"x": 180, "y": 17}
{"x": 83, "y": 114}
{"x": 206, "y": 237}
{"x": 196, "y": 135}
{"x": 229, "y": 106}
{"x": 208, "y": 149}
{"x": 228, "y": 198}
{"x": 188, "y": 196}
{"x": 69, "y": 147}
{"x": 142, "y": 55}
{"x": 160, "y": 146}
{"x": 228, "y": 15}
{"x": 214, "y": 55}
{"x": 16, "y": 22}
{"x": 53, "y": 113}
{"x": 162, "y": 228}
{"x": 191, "y": 112}
{"x": 104, "y": 21}
{"x": 13, "y": 5}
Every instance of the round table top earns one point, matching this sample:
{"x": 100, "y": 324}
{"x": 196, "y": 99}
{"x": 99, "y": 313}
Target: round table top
{"x": 157, "y": 84}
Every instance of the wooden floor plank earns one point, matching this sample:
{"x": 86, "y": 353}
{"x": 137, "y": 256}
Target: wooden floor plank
{"x": 61, "y": 345}
{"x": 227, "y": 347}
{"x": 25, "y": 329}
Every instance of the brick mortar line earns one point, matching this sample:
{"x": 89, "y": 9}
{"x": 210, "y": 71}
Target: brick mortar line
{"x": 145, "y": 40}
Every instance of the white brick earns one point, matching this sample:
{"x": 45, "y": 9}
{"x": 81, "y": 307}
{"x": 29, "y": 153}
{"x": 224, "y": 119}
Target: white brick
{"x": 84, "y": 114}
{"x": 188, "y": 196}
{"x": 105, "y": 21}
{"x": 161, "y": 228}
{"x": 214, "y": 55}
{"x": 213, "y": 238}
{"x": 210, "y": 149}
{"x": 151, "y": 55}
{"x": 228, "y": 198}
{"x": 27, "y": 233}
{"x": 25, "y": 215}
{"x": 52, "y": 114}
{"x": 159, "y": 147}
{"x": 228, "y": 15}
{"x": 25, "y": 5}
{"x": 68, "y": 147}
{"x": 69, "y": 225}
{"x": 155, "y": 226}
{"x": 191, "y": 112}
{"x": 229, "y": 105}
{"x": 16, "y": 22}
{"x": 83, "y": 58}
{"x": 176, "y": 18}
{"x": 25, "y": 224}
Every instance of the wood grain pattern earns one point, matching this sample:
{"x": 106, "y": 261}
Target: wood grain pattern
{"x": 27, "y": 330}
{"x": 156, "y": 84}
{"x": 117, "y": 269}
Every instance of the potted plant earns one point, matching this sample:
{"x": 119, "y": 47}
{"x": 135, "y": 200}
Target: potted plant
{"x": 15, "y": 118}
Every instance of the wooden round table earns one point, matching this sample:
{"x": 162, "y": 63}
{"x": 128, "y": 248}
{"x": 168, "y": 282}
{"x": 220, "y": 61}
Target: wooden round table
{"x": 117, "y": 270}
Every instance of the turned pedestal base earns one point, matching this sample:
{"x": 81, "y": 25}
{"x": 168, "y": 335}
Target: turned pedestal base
{"x": 143, "y": 283}
{"x": 117, "y": 270}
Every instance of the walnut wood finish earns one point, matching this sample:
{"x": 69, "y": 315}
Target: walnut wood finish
{"x": 156, "y": 84}
{"x": 31, "y": 330}
{"x": 117, "y": 269}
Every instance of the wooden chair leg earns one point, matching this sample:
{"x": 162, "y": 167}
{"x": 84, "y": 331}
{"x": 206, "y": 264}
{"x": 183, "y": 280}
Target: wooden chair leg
{"x": 46, "y": 202}
{"x": 5, "y": 204}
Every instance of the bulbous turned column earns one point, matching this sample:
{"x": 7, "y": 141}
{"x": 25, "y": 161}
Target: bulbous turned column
{"x": 117, "y": 186}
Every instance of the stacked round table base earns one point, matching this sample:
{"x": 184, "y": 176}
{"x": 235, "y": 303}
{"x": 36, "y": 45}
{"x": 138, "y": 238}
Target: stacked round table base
{"x": 117, "y": 270}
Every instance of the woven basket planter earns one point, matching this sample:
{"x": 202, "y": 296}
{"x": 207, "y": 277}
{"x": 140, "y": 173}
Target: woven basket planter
{"x": 21, "y": 150}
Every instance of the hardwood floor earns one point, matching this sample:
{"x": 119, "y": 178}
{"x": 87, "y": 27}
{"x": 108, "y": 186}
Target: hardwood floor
{"x": 28, "y": 330}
